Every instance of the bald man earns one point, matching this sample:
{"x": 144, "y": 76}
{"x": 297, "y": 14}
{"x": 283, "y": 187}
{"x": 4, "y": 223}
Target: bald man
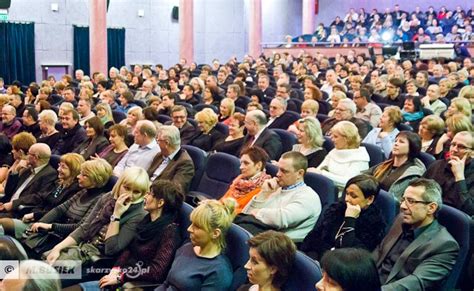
{"x": 34, "y": 176}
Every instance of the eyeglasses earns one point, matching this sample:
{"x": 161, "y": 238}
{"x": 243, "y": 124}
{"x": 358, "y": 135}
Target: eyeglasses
{"x": 411, "y": 201}
{"x": 460, "y": 146}
{"x": 179, "y": 117}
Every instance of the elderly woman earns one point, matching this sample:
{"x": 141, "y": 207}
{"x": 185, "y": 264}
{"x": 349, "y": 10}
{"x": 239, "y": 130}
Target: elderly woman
{"x": 198, "y": 86}
{"x": 42, "y": 202}
{"x": 432, "y": 101}
{"x": 397, "y": 172}
{"x": 430, "y": 131}
{"x": 63, "y": 219}
{"x": 412, "y": 112}
{"x": 104, "y": 112}
{"x": 155, "y": 241}
{"x": 272, "y": 255}
{"x": 459, "y": 105}
{"x": 111, "y": 225}
{"x": 384, "y": 135}
{"x": 233, "y": 142}
{"x": 357, "y": 212}
{"x": 208, "y": 136}
{"x": 96, "y": 141}
{"x": 252, "y": 175}
{"x": 349, "y": 269}
{"x": 309, "y": 108}
{"x": 201, "y": 263}
{"x": 226, "y": 110}
{"x": 445, "y": 87}
{"x": 310, "y": 141}
{"x": 347, "y": 159}
{"x": 312, "y": 92}
{"x": 117, "y": 149}
{"x": 133, "y": 116}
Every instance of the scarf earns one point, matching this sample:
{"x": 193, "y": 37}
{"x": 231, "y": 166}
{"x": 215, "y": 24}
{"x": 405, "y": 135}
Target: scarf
{"x": 241, "y": 186}
{"x": 407, "y": 116}
{"x": 148, "y": 229}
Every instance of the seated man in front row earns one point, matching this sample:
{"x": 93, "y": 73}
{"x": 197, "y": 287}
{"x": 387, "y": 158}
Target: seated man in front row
{"x": 285, "y": 202}
{"x": 417, "y": 253}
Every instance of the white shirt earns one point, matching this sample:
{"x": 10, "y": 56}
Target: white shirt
{"x": 139, "y": 156}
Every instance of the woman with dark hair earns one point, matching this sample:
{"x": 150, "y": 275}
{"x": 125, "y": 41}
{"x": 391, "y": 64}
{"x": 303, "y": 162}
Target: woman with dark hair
{"x": 252, "y": 175}
{"x": 233, "y": 142}
{"x": 349, "y": 269}
{"x": 211, "y": 96}
{"x": 395, "y": 174}
{"x": 272, "y": 254}
{"x": 313, "y": 92}
{"x": 118, "y": 147}
{"x": 413, "y": 112}
{"x": 155, "y": 241}
{"x": 96, "y": 141}
{"x": 353, "y": 222}
{"x": 384, "y": 135}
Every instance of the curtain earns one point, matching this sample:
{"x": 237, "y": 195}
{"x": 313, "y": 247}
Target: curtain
{"x": 115, "y": 48}
{"x": 81, "y": 49}
{"x": 17, "y": 54}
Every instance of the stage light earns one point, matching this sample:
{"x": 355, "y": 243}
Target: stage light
{"x": 387, "y": 36}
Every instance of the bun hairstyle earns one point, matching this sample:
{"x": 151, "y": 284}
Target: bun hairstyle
{"x": 212, "y": 214}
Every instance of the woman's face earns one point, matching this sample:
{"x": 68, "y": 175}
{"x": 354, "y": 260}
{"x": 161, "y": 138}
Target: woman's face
{"x": 258, "y": 271}
{"x": 420, "y": 79}
{"x": 203, "y": 126}
{"x": 90, "y": 131}
{"x": 248, "y": 168}
{"x": 199, "y": 236}
{"x": 339, "y": 140}
{"x": 306, "y": 112}
{"x": 224, "y": 109}
{"x": 411, "y": 88}
{"x": 452, "y": 109}
{"x": 151, "y": 203}
{"x": 328, "y": 284}
{"x": 385, "y": 121}
{"x": 255, "y": 99}
{"x": 443, "y": 87}
{"x": 408, "y": 106}
{"x": 85, "y": 181}
{"x": 301, "y": 134}
{"x": 129, "y": 189}
{"x": 401, "y": 146}
{"x": 234, "y": 128}
{"x": 423, "y": 132}
{"x": 334, "y": 101}
{"x": 115, "y": 139}
{"x": 207, "y": 94}
{"x": 307, "y": 94}
{"x": 355, "y": 196}
{"x": 132, "y": 118}
{"x": 64, "y": 172}
{"x": 135, "y": 80}
{"x": 101, "y": 113}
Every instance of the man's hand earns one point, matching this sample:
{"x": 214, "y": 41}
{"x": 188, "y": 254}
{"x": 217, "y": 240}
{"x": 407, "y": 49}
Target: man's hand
{"x": 457, "y": 167}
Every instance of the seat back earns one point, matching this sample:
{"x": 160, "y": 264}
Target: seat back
{"x": 163, "y": 118}
{"x": 403, "y": 126}
{"x": 199, "y": 158}
{"x": 304, "y": 274}
{"x": 54, "y": 161}
{"x": 222, "y": 128}
{"x": 221, "y": 169}
{"x": 375, "y": 153}
{"x": 271, "y": 169}
{"x": 111, "y": 183}
{"x": 287, "y": 139}
{"x": 458, "y": 225}
{"x": 328, "y": 145}
{"x": 238, "y": 253}
{"x": 426, "y": 158}
{"x": 184, "y": 221}
{"x": 322, "y": 117}
{"x": 388, "y": 206}
{"x": 199, "y": 107}
{"x": 324, "y": 186}
{"x": 118, "y": 116}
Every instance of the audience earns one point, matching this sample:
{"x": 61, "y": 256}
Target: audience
{"x": 208, "y": 135}
{"x": 384, "y": 135}
{"x": 234, "y": 141}
{"x": 117, "y": 148}
{"x": 95, "y": 142}
{"x": 310, "y": 141}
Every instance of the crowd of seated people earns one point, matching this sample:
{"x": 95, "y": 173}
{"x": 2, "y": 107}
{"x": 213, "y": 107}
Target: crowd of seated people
{"x": 419, "y": 26}
{"x": 90, "y": 166}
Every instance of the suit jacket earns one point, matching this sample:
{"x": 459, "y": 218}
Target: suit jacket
{"x": 283, "y": 121}
{"x": 69, "y": 140}
{"x": 269, "y": 141}
{"x": 424, "y": 263}
{"x": 179, "y": 170}
{"x": 43, "y": 181}
{"x": 187, "y": 132}
{"x": 88, "y": 148}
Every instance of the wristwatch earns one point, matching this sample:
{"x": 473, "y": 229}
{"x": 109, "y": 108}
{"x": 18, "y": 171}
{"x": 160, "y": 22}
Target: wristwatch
{"x": 114, "y": 218}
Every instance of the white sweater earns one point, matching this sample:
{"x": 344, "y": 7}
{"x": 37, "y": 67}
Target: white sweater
{"x": 341, "y": 165}
{"x": 294, "y": 211}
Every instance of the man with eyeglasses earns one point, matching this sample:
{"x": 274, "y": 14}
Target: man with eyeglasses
{"x": 455, "y": 173}
{"x": 9, "y": 125}
{"x": 179, "y": 118}
{"x": 417, "y": 253}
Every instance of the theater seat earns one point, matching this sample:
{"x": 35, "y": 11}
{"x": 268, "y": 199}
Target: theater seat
{"x": 426, "y": 158}
{"x": 305, "y": 273}
{"x": 324, "y": 186}
{"x": 287, "y": 139}
{"x": 118, "y": 116}
{"x": 199, "y": 107}
{"x": 163, "y": 118}
{"x": 388, "y": 206}
{"x": 375, "y": 153}
{"x": 184, "y": 221}
{"x": 238, "y": 253}
{"x": 199, "y": 158}
{"x": 54, "y": 161}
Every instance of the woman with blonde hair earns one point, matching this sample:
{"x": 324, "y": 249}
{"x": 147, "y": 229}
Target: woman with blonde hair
{"x": 104, "y": 112}
{"x": 112, "y": 223}
{"x": 309, "y": 108}
{"x": 134, "y": 115}
{"x": 347, "y": 159}
{"x": 459, "y": 105}
{"x": 310, "y": 141}
{"x": 336, "y": 96}
{"x": 384, "y": 135}
{"x": 201, "y": 264}
{"x": 226, "y": 110}
{"x": 47, "y": 120}
{"x": 208, "y": 136}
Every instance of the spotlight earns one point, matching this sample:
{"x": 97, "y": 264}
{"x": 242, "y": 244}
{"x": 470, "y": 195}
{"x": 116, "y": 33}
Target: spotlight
{"x": 387, "y": 36}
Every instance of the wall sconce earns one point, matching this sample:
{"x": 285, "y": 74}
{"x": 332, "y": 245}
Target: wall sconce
{"x": 141, "y": 13}
{"x": 54, "y": 7}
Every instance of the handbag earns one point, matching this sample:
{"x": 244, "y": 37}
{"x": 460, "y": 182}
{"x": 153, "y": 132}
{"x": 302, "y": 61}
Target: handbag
{"x": 42, "y": 241}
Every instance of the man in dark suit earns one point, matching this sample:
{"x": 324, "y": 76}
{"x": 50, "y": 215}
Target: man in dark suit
{"x": 264, "y": 86}
{"x": 173, "y": 163}
{"x": 32, "y": 176}
{"x": 417, "y": 253}
{"x": 72, "y": 134}
{"x": 258, "y": 135}
{"x": 179, "y": 117}
{"x": 283, "y": 91}
{"x": 279, "y": 116}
